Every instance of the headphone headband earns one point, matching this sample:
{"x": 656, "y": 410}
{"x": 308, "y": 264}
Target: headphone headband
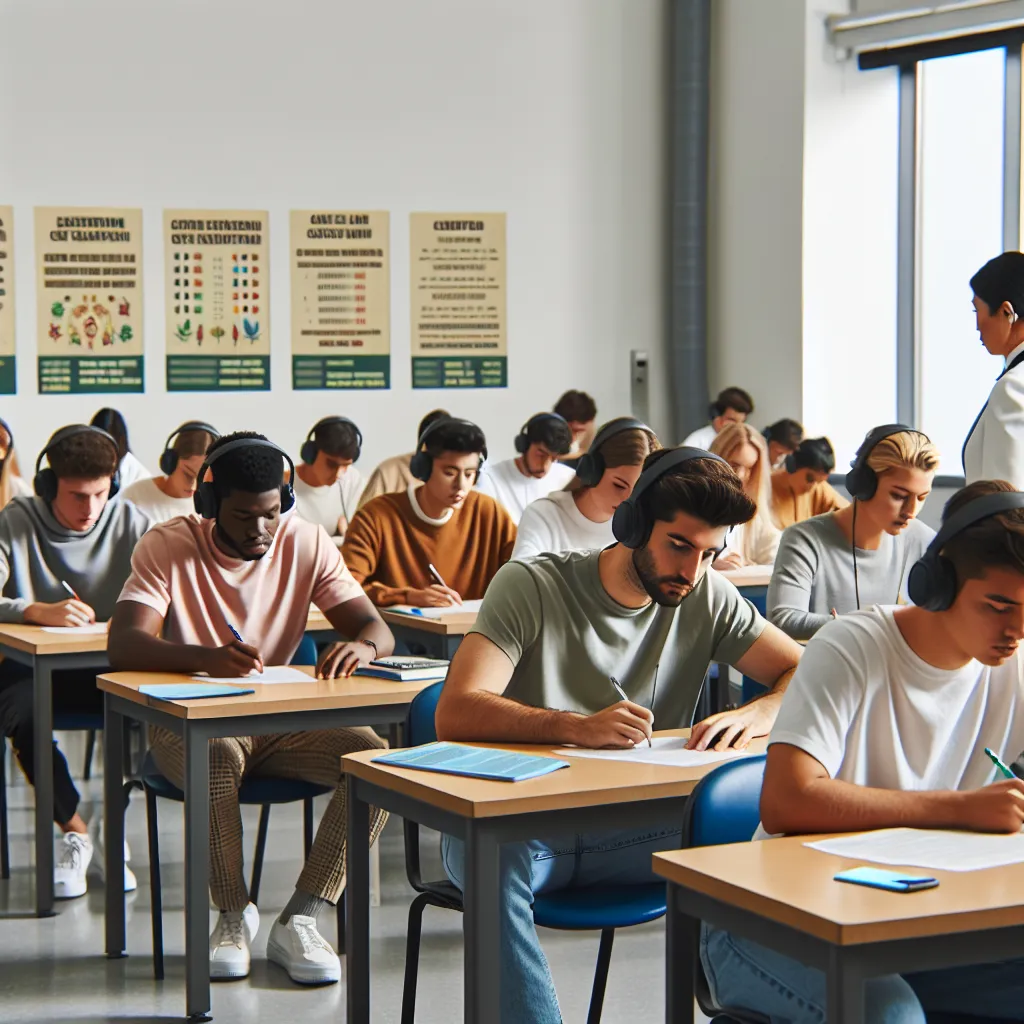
{"x": 862, "y": 480}
{"x": 335, "y": 419}
{"x": 437, "y": 424}
{"x": 73, "y": 431}
{"x": 973, "y": 512}
{"x": 675, "y": 457}
{"x": 522, "y": 440}
{"x": 191, "y": 425}
{"x": 205, "y": 499}
{"x": 44, "y": 482}
{"x": 591, "y": 465}
{"x": 422, "y": 463}
{"x": 617, "y": 426}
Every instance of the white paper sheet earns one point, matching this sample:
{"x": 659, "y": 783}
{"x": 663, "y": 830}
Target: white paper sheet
{"x": 666, "y": 750}
{"x": 437, "y": 613}
{"x": 278, "y": 674}
{"x": 936, "y": 849}
{"x": 92, "y": 629}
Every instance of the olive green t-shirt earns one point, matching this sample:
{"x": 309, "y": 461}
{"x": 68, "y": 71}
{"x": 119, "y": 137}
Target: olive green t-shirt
{"x": 565, "y": 636}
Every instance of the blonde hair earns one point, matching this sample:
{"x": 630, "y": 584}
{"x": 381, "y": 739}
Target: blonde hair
{"x": 758, "y": 486}
{"x": 908, "y": 449}
{"x": 626, "y": 448}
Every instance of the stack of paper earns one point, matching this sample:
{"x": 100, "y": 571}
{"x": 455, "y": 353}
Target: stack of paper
{"x": 934, "y": 849}
{"x": 278, "y": 674}
{"x": 474, "y": 762}
{"x": 664, "y": 750}
{"x": 91, "y": 629}
{"x": 467, "y": 607}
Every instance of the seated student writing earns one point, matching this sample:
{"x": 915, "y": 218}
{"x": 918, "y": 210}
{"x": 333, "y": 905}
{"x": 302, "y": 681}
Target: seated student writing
{"x": 327, "y": 484}
{"x": 580, "y": 518}
{"x": 246, "y": 564}
{"x": 801, "y": 488}
{"x": 439, "y": 521}
{"x": 885, "y": 725}
{"x": 861, "y": 555}
{"x": 733, "y": 405}
{"x": 579, "y": 410}
{"x": 69, "y": 533}
{"x": 535, "y": 471}
{"x": 783, "y": 437}
{"x": 170, "y": 495}
{"x": 393, "y": 475}
{"x": 537, "y": 666}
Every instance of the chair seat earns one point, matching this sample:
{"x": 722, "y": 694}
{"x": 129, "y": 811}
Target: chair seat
{"x": 613, "y": 906}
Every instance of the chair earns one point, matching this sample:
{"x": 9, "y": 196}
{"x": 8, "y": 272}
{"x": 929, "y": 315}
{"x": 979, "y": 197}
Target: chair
{"x": 591, "y": 909}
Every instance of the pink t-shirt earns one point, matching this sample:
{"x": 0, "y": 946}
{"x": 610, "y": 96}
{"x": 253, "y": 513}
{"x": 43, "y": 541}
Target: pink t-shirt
{"x": 178, "y": 571}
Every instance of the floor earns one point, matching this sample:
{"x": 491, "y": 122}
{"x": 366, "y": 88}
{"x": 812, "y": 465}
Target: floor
{"x": 54, "y": 969}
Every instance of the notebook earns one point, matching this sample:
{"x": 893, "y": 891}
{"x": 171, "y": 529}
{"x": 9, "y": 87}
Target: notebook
{"x": 473, "y": 762}
{"x": 405, "y": 670}
{"x": 192, "y": 691}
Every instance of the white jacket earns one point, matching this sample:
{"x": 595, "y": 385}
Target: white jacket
{"x": 995, "y": 448}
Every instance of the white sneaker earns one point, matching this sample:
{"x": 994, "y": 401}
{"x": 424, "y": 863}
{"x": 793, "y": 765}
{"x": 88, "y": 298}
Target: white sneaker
{"x": 73, "y": 857}
{"x": 131, "y": 883}
{"x": 303, "y": 952}
{"x": 230, "y": 941}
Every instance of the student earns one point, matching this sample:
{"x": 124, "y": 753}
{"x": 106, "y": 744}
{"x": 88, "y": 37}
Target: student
{"x": 535, "y": 471}
{"x": 783, "y": 437}
{"x": 393, "y": 476}
{"x": 801, "y": 488}
{"x": 164, "y": 497}
{"x": 579, "y": 410}
{"x": 129, "y": 467}
{"x": 68, "y": 533}
{"x": 327, "y": 484}
{"x": 733, "y": 405}
{"x": 12, "y": 483}
{"x": 896, "y": 739}
{"x": 861, "y": 555}
{"x": 756, "y": 541}
{"x": 994, "y": 448}
{"x": 580, "y": 518}
{"x": 440, "y": 520}
{"x": 246, "y": 564}
{"x": 536, "y": 668}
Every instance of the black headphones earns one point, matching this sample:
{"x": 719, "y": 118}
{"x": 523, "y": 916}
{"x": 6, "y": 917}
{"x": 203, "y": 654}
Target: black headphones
{"x": 631, "y": 526}
{"x": 205, "y": 497}
{"x": 422, "y": 463}
{"x": 309, "y": 450}
{"x": 45, "y": 480}
{"x": 522, "y": 441}
{"x": 932, "y": 582}
{"x": 862, "y": 480}
{"x": 591, "y": 465}
{"x": 169, "y": 457}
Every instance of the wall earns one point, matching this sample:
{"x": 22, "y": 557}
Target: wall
{"x": 552, "y": 112}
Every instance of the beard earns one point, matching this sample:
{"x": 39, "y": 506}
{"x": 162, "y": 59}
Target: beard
{"x": 657, "y": 587}
{"x": 246, "y": 556}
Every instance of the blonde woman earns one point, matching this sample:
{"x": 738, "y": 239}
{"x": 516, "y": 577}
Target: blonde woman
{"x": 12, "y": 484}
{"x": 754, "y": 542}
{"x": 861, "y": 555}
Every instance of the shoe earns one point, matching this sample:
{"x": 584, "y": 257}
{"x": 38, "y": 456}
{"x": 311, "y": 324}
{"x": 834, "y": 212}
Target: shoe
{"x": 73, "y": 859}
{"x": 230, "y": 943}
{"x": 131, "y": 883}
{"x": 303, "y": 952}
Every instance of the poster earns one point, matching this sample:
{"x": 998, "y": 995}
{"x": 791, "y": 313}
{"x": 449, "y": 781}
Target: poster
{"x": 341, "y": 300}
{"x": 217, "y": 287}
{"x": 459, "y": 337}
{"x": 89, "y": 300}
{"x": 8, "y": 381}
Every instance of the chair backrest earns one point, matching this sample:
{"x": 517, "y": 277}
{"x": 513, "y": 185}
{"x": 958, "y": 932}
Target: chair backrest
{"x": 726, "y": 805}
{"x": 419, "y": 723}
{"x": 305, "y": 653}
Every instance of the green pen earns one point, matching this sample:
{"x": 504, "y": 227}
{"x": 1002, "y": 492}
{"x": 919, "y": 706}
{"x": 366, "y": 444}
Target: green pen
{"x": 999, "y": 764}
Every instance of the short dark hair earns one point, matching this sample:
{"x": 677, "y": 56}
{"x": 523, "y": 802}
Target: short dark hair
{"x": 554, "y": 434}
{"x": 113, "y": 423}
{"x": 254, "y": 470}
{"x": 815, "y": 453}
{"x": 786, "y": 432}
{"x": 190, "y": 443}
{"x": 431, "y": 417}
{"x": 83, "y": 456}
{"x": 337, "y": 438}
{"x": 1001, "y": 280}
{"x": 994, "y": 541}
{"x": 576, "y": 407}
{"x": 456, "y": 436}
{"x": 733, "y": 398}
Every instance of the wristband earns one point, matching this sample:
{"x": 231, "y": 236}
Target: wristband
{"x": 369, "y": 643}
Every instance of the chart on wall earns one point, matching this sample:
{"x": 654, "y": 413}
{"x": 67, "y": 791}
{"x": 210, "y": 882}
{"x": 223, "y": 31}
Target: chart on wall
{"x": 458, "y": 264}
{"x": 89, "y": 300}
{"x": 8, "y": 380}
{"x": 341, "y": 299}
{"x": 217, "y": 288}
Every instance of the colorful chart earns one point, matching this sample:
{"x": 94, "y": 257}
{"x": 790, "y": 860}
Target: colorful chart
{"x": 8, "y": 378}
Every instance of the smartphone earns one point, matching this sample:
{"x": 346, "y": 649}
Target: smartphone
{"x": 891, "y": 881}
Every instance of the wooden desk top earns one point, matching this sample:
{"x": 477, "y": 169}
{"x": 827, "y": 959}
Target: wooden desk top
{"x": 456, "y": 624}
{"x": 316, "y": 622}
{"x": 32, "y": 640}
{"x": 750, "y": 576}
{"x": 586, "y": 783}
{"x": 784, "y": 881}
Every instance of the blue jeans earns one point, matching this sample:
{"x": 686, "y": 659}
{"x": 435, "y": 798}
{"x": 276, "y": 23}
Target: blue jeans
{"x": 526, "y": 869}
{"x": 745, "y": 976}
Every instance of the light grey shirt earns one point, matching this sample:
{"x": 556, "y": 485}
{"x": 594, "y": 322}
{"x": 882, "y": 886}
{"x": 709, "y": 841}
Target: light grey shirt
{"x": 814, "y": 573}
{"x": 565, "y": 635}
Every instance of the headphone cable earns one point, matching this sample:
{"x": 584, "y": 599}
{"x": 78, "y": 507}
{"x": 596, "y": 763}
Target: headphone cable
{"x": 853, "y": 546}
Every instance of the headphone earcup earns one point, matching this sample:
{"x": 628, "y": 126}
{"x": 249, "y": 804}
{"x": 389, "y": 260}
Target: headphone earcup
{"x": 628, "y": 526}
{"x": 168, "y": 461}
{"x": 308, "y": 452}
{"x": 790, "y": 464}
{"x": 115, "y": 484}
{"x": 862, "y": 482}
{"x": 932, "y": 583}
{"x": 44, "y": 483}
{"x": 522, "y": 444}
{"x": 287, "y": 498}
{"x": 421, "y": 465}
{"x": 205, "y": 501}
{"x": 590, "y": 469}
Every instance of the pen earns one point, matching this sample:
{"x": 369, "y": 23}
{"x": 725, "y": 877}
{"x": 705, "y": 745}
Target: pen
{"x": 1007, "y": 774}
{"x": 68, "y": 588}
{"x": 622, "y": 693}
{"x": 436, "y": 575}
{"x": 236, "y": 634}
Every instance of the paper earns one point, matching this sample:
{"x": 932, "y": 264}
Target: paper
{"x": 192, "y": 691}
{"x": 474, "y": 762}
{"x": 665, "y": 750}
{"x": 269, "y": 676}
{"x": 467, "y": 607}
{"x": 92, "y": 628}
{"x": 934, "y": 849}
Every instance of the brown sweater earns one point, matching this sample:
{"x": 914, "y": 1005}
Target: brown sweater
{"x": 789, "y": 508}
{"x": 388, "y": 545}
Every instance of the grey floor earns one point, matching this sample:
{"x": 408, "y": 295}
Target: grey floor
{"x": 54, "y": 969}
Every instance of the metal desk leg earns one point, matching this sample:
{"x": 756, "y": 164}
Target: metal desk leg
{"x": 682, "y": 945}
{"x": 113, "y": 829}
{"x": 43, "y": 721}
{"x": 197, "y": 872}
{"x": 357, "y": 907}
{"x": 481, "y": 927}
{"x": 845, "y": 990}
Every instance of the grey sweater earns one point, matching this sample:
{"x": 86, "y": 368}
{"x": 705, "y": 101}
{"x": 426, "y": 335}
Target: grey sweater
{"x": 36, "y": 553}
{"x": 814, "y": 573}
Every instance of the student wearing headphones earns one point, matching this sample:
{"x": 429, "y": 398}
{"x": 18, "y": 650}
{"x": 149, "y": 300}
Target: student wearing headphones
{"x": 733, "y": 405}
{"x": 393, "y": 475}
{"x": 537, "y": 668}
{"x": 783, "y": 437}
{"x": 580, "y": 518}
{"x": 68, "y": 533}
{"x": 861, "y": 555}
{"x": 327, "y": 484}
{"x": 801, "y": 488}
{"x": 535, "y": 471}
{"x": 885, "y": 725}
{"x": 164, "y": 497}
{"x": 579, "y": 410}
{"x": 245, "y": 566}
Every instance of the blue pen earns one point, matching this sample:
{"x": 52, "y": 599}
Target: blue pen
{"x": 1004, "y": 771}
{"x": 236, "y": 634}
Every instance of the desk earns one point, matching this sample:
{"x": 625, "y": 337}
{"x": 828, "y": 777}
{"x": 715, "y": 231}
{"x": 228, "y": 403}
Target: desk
{"x": 484, "y": 815}
{"x": 782, "y": 895}
{"x": 439, "y": 638}
{"x": 46, "y": 653}
{"x": 290, "y": 707}
{"x": 317, "y": 624}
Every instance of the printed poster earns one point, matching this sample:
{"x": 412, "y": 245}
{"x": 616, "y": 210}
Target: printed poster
{"x": 8, "y": 380}
{"x": 89, "y": 300}
{"x": 341, "y": 300}
{"x": 459, "y": 333}
{"x": 217, "y": 286}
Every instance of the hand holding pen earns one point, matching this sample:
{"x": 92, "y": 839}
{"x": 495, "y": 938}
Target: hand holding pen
{"x": 624, "y": 724}
{"x": 233, "y": 659}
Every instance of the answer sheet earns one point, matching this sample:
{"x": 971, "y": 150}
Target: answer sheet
{"x": 935, "y": 849}
{"x": 92, "y": 629}
{"x": 466, "y": 608}
{"x": 666, "y": 750}
{"x": 278, "y": 674}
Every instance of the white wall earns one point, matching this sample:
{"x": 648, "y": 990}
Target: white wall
{"x": 553, "y": 112}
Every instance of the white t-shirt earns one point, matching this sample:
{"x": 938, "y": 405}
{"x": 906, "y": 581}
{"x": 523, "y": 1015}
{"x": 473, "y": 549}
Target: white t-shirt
{"x": 701, "y": 438}
{"x": 554, "y": 524}
{"x": 132, "y": 470}
{"x": 20, "y": 487}
{"x": 510, "y": 488}
{"x": 145, "y": 495}
{"x": 324, "y": 505}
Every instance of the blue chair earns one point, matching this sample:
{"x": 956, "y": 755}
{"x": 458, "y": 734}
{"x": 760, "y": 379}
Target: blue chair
{"x": 601, "y": 909}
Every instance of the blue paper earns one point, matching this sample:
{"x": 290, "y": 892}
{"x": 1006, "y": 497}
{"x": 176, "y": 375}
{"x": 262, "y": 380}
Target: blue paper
{"x": 473, "y": 762}
{"x": 192, "y": 691}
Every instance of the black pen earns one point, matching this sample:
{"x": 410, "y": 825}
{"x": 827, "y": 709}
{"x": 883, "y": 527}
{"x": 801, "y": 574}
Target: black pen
{"x": 622, "y": 693}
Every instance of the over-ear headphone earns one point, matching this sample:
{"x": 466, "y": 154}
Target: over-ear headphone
{"x": 862, "y": 480}
{"x": 591, "y": 465}
{"x": 422, "y": 464}
{"x": 522, "y": 441}
{"x": 205, "y": 497}
{"x": 825, "y": 458}
{"x": 169, "y": 457}
{"x": 631, "y": 526}
{"x": 309, "y": 450}
{"x": 45, "y": 480}
{"x": 932, "y": 581}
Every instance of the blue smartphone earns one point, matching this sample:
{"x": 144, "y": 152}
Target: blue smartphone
{"x": 891, "y": 881}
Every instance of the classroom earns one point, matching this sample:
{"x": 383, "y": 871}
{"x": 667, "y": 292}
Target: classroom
{"x": 512, "y": 511}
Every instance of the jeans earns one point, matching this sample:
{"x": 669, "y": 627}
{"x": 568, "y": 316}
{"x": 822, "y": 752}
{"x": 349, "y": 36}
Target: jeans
{"x": 539, "y": 866}
{"x": 745, "y": 976}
